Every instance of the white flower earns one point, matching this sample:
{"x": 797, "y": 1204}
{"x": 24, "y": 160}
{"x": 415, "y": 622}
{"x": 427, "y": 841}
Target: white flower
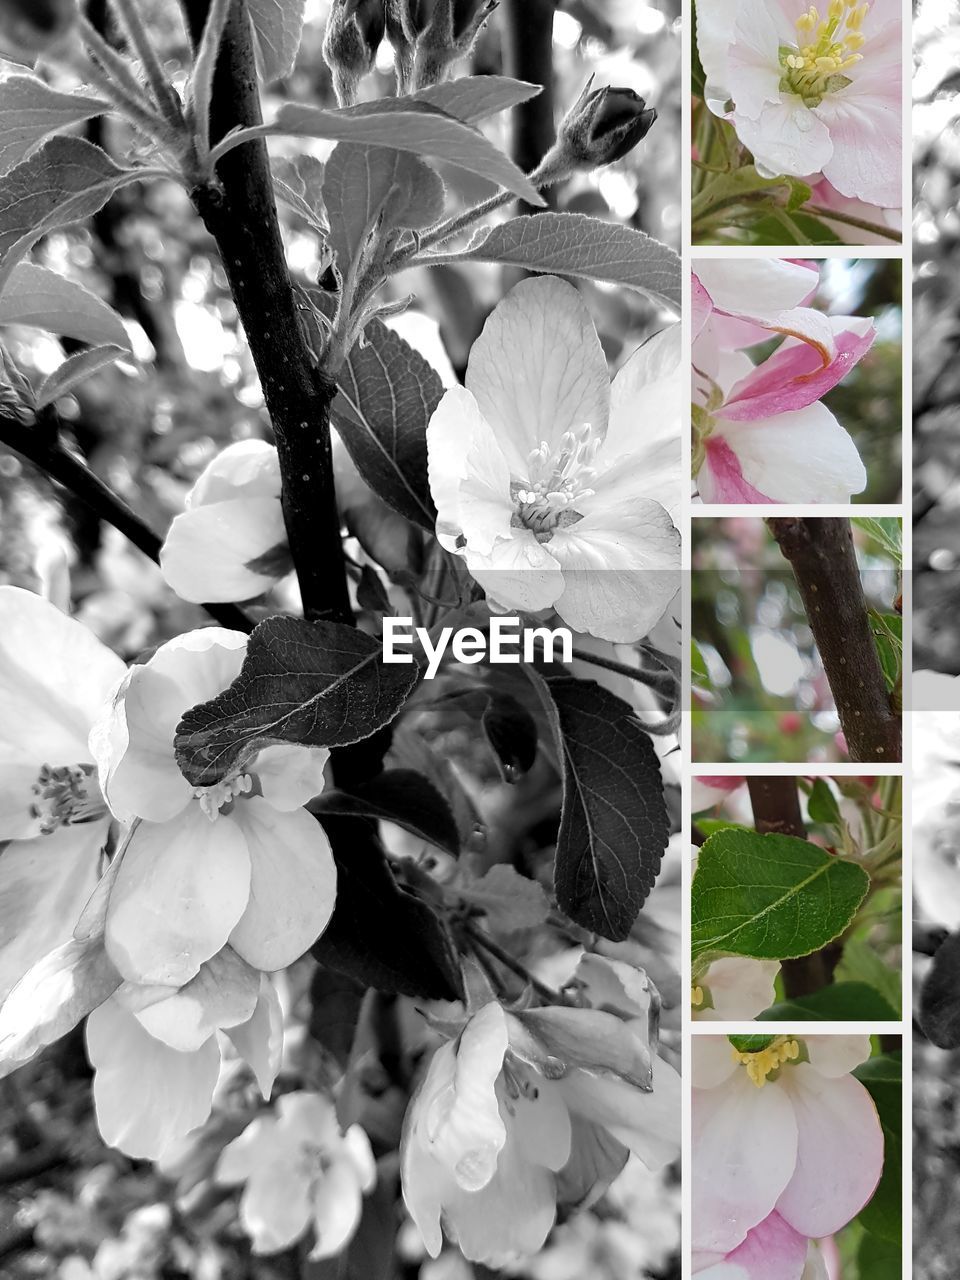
{"x": 735, "y": 988}
{"x": 55, "y": 676}
{"x": 555, "y": 487}
{"x": 230, "y": 543}
{"x": 522, "y": 1110}
{"x": 239, "y": 862}
{"x": 300, "y": 1170}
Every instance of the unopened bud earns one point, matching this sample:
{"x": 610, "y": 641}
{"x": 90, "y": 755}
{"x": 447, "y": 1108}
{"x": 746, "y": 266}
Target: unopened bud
{"x": 354, "y": 31}
{"x": 428, "y": 36}
{"x": 30, "y": 27}
{"x": 602, "y": 126}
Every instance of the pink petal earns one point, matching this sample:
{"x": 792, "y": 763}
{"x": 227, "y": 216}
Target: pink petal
{"x": 839, "y": 1151}
{"x": 700, "y": 306}
{"x": 720, "y": 479}
{"x": 771, "y": 1251}
{"x": 259, "y": 1041}
{"x": 794, "y": 377}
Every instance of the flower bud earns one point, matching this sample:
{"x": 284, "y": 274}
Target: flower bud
{"x": 428, "y": 36}
{"x": 30, "y": 27}
{"x": 354, "y": 31}
{"x": 603, "y": 125}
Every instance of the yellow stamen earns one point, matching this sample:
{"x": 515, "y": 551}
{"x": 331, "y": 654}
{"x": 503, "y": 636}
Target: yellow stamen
{"x": 696, "y": 997}
{"x": 824, "y": 50}
{"x": 764, "y": 1062}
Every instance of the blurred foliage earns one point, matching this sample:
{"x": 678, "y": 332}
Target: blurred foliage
{"x": 766, "y": 697}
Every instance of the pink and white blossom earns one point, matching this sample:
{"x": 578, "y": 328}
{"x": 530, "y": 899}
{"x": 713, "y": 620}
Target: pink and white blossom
{"x": 734, "y": 989}
{"x": 555, "y": 487}
{"x": 811, "y": 94}
{"x": 240, "y": 862}
{"x": 300, "y": 1171}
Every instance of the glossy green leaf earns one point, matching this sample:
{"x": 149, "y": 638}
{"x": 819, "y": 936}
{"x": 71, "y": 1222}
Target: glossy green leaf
{"x": 839, "y": 1002}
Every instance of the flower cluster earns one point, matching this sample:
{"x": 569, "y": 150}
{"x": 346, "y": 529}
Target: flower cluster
{"x": 787, "y": 1149}
{"x": 761, "y": 432}
{"x": 812, "y": 95}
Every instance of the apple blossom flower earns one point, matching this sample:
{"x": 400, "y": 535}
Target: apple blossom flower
{"x": 554, "y": 487}
{"x": 936, "y": 797}
{"x": 810, "y": 94}
{"x": 762, "y": 433}
{"x": 240, "y": 861}
{"x": 55, "y": 676}
{"x": 522, "y": 1110}
{"x": 746, "y": 300}
{"x": 230, "y": 543}
{"x": 734, "y": 988}
{"x": 786, "y": 1143}
{"x": 300, "y": 1170}
{"x": 705, "y": 792}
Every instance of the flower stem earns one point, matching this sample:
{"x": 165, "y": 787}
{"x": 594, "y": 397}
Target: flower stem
{"x": 653, "y": 680}
{"x": 547, "y": 994}
{"x": 831, "y": 215}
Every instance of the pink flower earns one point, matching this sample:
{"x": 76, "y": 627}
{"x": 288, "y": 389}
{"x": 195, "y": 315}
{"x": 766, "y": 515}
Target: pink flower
{"x": 787, "y": 1147}
{"x": 810, "y": 94}
{"x": 762, "y": 434}
{"x": 706, "y": 792}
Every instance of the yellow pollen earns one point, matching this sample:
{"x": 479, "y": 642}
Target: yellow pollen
{"x": 696, "y": 997}
{"x": 760, "y": 1064}
{"x": 825, "y": 49}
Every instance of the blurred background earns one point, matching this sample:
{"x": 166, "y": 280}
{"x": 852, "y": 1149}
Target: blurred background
{"x": 759, "y": 691}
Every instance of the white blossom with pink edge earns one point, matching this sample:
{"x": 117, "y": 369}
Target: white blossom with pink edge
{"x": 300, "y": 1171}
{"x": 810, "y": 94}
{"x": 762, "y": 433}
{"x": 557, "y": 489}
{"x": 240, "y": 862}
{"x": 787, "y": 1148}
{"x": 501, "y": 1129}
{"x": 55, "y": 677}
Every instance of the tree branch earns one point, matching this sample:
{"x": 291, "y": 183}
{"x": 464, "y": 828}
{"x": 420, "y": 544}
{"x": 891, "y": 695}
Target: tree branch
{"x": 240, "y": 213}
{"x": 824, "y": 562}
{"x": 528, "y": 55}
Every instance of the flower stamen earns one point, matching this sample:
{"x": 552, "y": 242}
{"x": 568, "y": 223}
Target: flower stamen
{"x": 763, "y": 1062}
{"x": 213, "y": 799}
{"x": 825, "y": 49}
{"x": 556, "y": 481}
{"x": 66, "y": 796}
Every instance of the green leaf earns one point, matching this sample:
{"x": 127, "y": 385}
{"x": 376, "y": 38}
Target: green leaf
{"x": 939, "y": 1012}
{"x": 887, "y": 532}
{"x": 887, "y": 631}
{"x": 402, "y": 796}
{"x": 386, "y": 393}
{"x": 698, "y": 666}
{"x": 277, "y": 28}
{"x": 882, "y": 1216}
{"x": 319, "y": 684}
{"x": 381, "y": 934}
{"x": 574, "y": 244}
{"x": 840, "y": 1002}
{"x": 75, "y": 370}
{"x": 404, "y": 124}
{"x": 773, "y": 897}
{"x": 614, "y": 824}
{"x": 509, "y": 901}
{"x": 879, "y": 1259}
{"x": 362, "y": 184}
{"x": 750, "y": 1044}
{"x": 822, "y": 804}
{"x": 861, "y": 963}
{"x": 44, "y": 300}
{"x": 745, "y": 185}
{"x": 473, "y": 98}
{"x": 30, "y": 111}
{"x": 65, "y": 181}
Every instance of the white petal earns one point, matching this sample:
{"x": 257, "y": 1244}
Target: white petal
{"x": 293, "y": 884}
{"x": 260, "y": 1040}
{"x": 645, "y": 417}
{"x": 541, "y": 1123}
{"x": 800, "y": 456}
{"x": 337, "y": 1206}
{"x": 290, "y": 775}
{"x": 44, "y": 885}
{"x": 757, "y": 288}
{"x": 647, "y": 1123}
{"x": 275, "y": 1210}
{"x": 223, "y": 994}
{"x": 712, "y": 1061}
{"x": 454, "y": 426}
{"x": 518, "y": 574}
{"x": 208, "y": 549}
{"x": 147, "y": 1095}
{"x": 836, "y": 1055}
{"x": 741, "y": 987}
{"x": 261, "y": 1144}
{"x": 538, "y": 370}
{"x": 17, "y": 797}
{"x": 180, "y": 891}
{"x": 787, "y": 138}
{"x": 248, "y": 468}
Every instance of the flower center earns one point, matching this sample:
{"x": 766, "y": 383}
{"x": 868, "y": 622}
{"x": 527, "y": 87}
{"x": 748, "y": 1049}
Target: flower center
{"x": 556, "y": 482}
{"x": 66, "y": 796}
{"x": 825, "y": 49}
{"x": 212, "y": 799}
{"x": 763, "y": 1062}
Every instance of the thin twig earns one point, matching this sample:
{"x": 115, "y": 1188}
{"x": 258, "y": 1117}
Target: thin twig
{"x": 510, "y": 962}
{"x": 165, "y": 96}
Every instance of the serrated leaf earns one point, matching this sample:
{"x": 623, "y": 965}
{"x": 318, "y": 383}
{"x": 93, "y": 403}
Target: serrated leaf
{"x": 405, "y": 124}
{"x": 822, "y": 804}
{"x": 66, "y": 180}
{"x": 313, "y": 683}
{"x": 509, "y": 901}
{"x": 299, "y": 184}
{"x": 887, "y": 631}
{"x": 887, "y": 532}
{"x": 402, "y": 796}
{"x": 473, "y": 98}
{"x": 839, "y": 1002}
{"x": 380, "y": 934}
{"x": 30, "y": 110}
{"x": 386, "y": 393}
{"x": 614, "y": 824}
{"x": 277, "y": 28}
{"x": 365, "y": 183}
{"x": 75, "y": 370}
{"x": 771, "y": 896}
{"x": 939, "y": 1012}
{"x": 574, "y": 244}
{"x": 42, "y": 299}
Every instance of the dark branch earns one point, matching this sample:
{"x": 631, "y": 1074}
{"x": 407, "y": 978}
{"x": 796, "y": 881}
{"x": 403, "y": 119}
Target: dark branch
{"x": 824, "y": 563}
{"x": 528, "y": 55}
